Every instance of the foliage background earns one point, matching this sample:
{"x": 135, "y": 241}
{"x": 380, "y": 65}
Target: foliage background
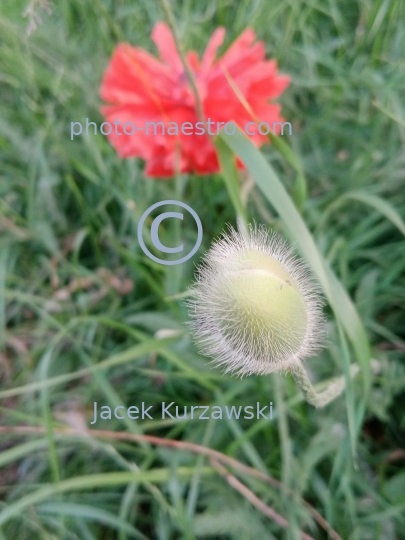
{"x": 75, "y": 289}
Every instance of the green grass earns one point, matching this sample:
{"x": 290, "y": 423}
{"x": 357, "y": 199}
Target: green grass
{"x": 69, "y": 209}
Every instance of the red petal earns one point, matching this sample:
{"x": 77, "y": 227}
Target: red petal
{"x": 239, "y": 46}
{"x": 216, "y": 41}
{"x": 162, "y": 36}
{"x": 132, "y": 77}
{"x": 193, "y": 60}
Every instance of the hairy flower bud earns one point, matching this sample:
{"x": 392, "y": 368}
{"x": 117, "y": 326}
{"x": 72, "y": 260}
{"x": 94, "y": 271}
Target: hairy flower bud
{"x": 254, "y": 308}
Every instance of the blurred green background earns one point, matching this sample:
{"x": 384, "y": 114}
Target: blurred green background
{"x": 76, "y": 290}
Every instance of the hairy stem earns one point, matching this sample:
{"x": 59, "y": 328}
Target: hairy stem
{"x": 320, "y": 399}
{"x": 189, "y": 74}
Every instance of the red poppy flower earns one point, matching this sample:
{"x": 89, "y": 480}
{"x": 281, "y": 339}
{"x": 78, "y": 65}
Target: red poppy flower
{"x": 141, "y": 89}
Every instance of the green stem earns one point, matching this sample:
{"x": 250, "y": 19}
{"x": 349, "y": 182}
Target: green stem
{"x": 320, "y": 399}
{"x": 230, "y": 177}
{"x": 189, "y": 74}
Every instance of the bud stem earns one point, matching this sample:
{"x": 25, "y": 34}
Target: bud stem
{"x": 320, "y": 399}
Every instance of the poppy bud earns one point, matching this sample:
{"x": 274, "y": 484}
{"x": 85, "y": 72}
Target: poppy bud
{"x": 254, "y": 308}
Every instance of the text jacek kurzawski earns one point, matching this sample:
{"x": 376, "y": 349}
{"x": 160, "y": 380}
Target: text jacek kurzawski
{"x": 192, "y": 412}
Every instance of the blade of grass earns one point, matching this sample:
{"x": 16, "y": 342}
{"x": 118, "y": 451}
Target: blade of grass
{"x": 92, "y": 481}
{"x": 47, "y": 414}
{"x": 300, "y": 187}
{"x": 192, "y": 497}
{"x": 350, "y": 403}
{"x": 385, "y": 208}
{"x": 4, "y": 256}
{"x": 133, "y": 353}
{"x": 376, "y": 202}
{"x": 230, "y": 175}
{"x": 92, "y": 514}
{"x": 127, "y": 503}
{"x": 21, "y": 451}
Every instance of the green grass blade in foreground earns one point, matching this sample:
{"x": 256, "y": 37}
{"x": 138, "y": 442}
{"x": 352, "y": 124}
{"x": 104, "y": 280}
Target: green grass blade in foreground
{"x": 21, "y": 451}
{"x": 381, "y": 206}
{"x": 350, "y": 403}
{"x": 374, "y": 201}
{"x": 92, "y": 481}
{"x": 344, "y": 309}
{"x": 153, "y": 345}
{"x": 90, "y": 513}
{"x": 47, "y": 414}
{"x": 300, "y": 190}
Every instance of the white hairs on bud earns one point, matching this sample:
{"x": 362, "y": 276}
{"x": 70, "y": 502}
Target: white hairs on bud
{"x": 219, "y": 328}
